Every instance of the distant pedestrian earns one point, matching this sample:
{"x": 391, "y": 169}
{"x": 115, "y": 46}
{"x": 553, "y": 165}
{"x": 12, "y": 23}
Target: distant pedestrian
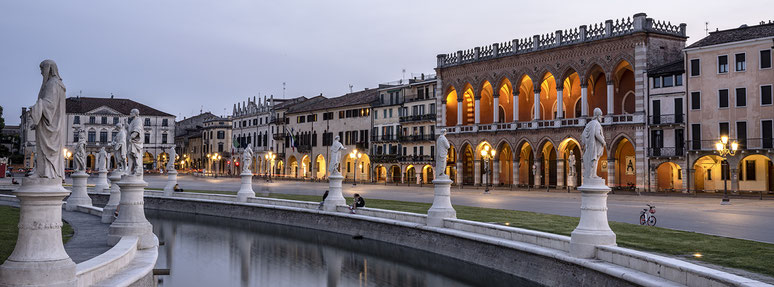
{"x": 358, "y": 202}
{"x": 325, "y": 195}
{"x": 177, "y": 188}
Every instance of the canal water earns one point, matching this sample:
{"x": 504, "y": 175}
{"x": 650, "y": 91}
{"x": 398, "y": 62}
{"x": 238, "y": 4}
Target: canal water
{"x": 205, "y": 250}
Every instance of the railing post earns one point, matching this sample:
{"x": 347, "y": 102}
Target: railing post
{"x": 535, "y": 42}
{"x": 515, "y": 44}
{"x": 476, "y": 52}
{"x": 459, "y": 56}
{"x": 558, "y": 35}
{"x": 639, "y": 21}
{"x": 682, "y": 29}
{"x": 608, "y": 28}
{"x": 582, "y": 33}
{"x": 441, "y": 58}
{"x": 495, "y": 49}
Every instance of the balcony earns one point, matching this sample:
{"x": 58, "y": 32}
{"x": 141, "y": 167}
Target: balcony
{"x": 417, "y": 138}
{"x": 666, "y": 152}
{"x": 278, "y": 121}
{"x": 384, "y": 138}
{"x": 279, "y": 136}
{"x": 418, "y": 118}
{"x": 543, "y": 124}
{"x": 744, "y": 144}
{"x": 666, "y": 119}
{"x": 304, "y": 148}
{"x": 415, "y": 158}
{"x": 385, "y": 158}
{"x": 363, "y": 146}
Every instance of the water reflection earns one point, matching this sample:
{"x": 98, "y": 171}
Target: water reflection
{"x": 213, "y": 251}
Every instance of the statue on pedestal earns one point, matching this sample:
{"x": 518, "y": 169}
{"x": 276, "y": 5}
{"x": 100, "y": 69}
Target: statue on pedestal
{"x": 102, "y": 159}
{"x": 119, "y": 147}
{"x": 335, "y": 155}
{"x": 171, "y": 160}
{"x": 48, "y": 121}
{"x": 136, "y": 140}
{"x": 247, "y": 159}
{"x": 571, "y": 162}
{"x": 442, "y": 152}
{"x": 80, "y": 151}
{"x": 594, "y": 146}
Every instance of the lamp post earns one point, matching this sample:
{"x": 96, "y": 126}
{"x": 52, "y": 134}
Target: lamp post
{"x": 355, "y": 156}
{"x": 725, "y": 149}
{"x": 209, "y": 164}
{"x": 270, "y": 161}
{"x": 487, "y": 153}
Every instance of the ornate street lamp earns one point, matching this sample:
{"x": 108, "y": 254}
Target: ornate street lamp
{"x": 487, "y": 153}
{"x": 355, "y": 156}
{"x": 724, "y": 149}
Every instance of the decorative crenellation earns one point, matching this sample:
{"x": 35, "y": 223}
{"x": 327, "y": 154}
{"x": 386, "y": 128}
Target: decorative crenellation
{"x": 572, "y": 36}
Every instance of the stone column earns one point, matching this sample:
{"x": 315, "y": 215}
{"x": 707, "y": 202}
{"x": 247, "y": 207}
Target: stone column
{"x": 495, "y": 168}
{"x": 559, "y": 102}
{"x": 611, "y": 172}
{"x": 610, "y": 98}
{"x": 115, "y": 198}
{"x": 171, "y": 182}
{"x": 102, "y": 182}
{"x": 39, "y": 258}
{"x": 537, "y": 103}
{"x": 560, "y": 173}
{"x": 516, "y": 163}
{"x": 246, "y": 188}
{"x": 477, "y": 108}
{"x": 593, "y": 229}
{"x": 459, "y": 111}
{"x": 477, "y": 171}
{"x": 515, "y": 106}
{"x": 536, "y": 172}
{"x": 335, "y": 197}
{"x": 131, "y": 219}
{"x": 443, "y": 114}
{"x": 584, "y": 101}
{"x": 496, "y": 109}
{"x": 442, "y": 207}
{"x": 79, "y": 195}
{"x": 459, "y": 173}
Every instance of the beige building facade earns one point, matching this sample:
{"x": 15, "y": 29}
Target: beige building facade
{"x": 217, "y": 145}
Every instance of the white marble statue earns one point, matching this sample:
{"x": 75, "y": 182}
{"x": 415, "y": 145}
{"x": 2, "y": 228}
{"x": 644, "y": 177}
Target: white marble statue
{"x": 441, "y": 153}
{"x": 136, "y": 139}
{"x": 247, "y": 159}
{"x": 171, "y": 160}
{"x": 102, "y": 159}
{"x": 119, "y": 147}
{"x": 571, "y": 162}
{"x": 593, "y": 144}
{"x": 48, "y": 120}
{"x": 335, "y": 155}
{"x": 80, "y": 151}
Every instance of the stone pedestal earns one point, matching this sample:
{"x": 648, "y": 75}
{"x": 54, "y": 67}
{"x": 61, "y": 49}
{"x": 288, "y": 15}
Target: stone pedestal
{"x": 79, "y": 195}
{"x": 593, "y": 229}
{"x": 335, "y": 197}
{"x": 102, "y": 181}
{"x": 131, "y": 215}
{"x": 114, "y": 200}
{"x": 246, "y": 189}
{"x": 442, "y": 207}
{"x": 171, "y": 182}
{"x": 39, "y": 258}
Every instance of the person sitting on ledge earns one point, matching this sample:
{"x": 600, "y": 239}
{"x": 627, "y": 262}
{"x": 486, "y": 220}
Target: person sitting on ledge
{"x": 177, "y": 188}
{"x": 325, "y": 195}
{"x": 357, "y": 203}
{"x": 13, "y": 181}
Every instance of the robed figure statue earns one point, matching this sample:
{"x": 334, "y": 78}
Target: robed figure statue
{"x": 80, "y": 151}
{"x": 172, "y": 158}
{"x": 119, "y": 147}
{"x": 594, "y": 146}
{"x": 136, "y": 140}
{"x": 441, "y": 153}
{"x": 335, "y": 155}
{"x": 48, "y": 121}
{"x": 102, "y": 159}
{"x": 247, "y": 159}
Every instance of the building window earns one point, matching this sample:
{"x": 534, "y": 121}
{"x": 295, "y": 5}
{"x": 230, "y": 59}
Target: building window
{"x": 221, "y": 135}
{"x": 749, "y": 166}
{"x": 92, "y": 136}
{"x": 741, "y": 134}
{"x": 741, "y": 63}
{"x": 115, "y": 120}
{"x": 75, "y": 137}
{"x": 723, "y": 129}
{"x": 695, "y": 100}
{"x": 103, "y": 137}
{"x": 741, "y": 97}
{"x": 147, "y": 138}
{"x": 164, "y": 138}
{"x": 103, "y": 120}
{"x": 220, "y": 147}
{"x": 678, "y": 80}
{"x": 77, "y": 120}
{"x": 765, "y": 59}
{"x": 164, "y": 122}
{"x": 147, "y": 121}
{"x": 723, "y": 98}
{"x": 696, "y": 136}
{"x": 766, "y": 95}
{"x": 656, "y": 82}
{"x": 767, "y": 133}
{"x": 92, "y": 120}
{"x": 668, "y": 81}
{"x": 722, "y": 64}
{"x": 695, "y": 68}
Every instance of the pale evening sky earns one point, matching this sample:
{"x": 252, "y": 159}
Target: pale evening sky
{"x": 179, "y": 56}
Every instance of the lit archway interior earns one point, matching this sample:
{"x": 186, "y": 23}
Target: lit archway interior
{"x": 756, "y": 173}
{"x": 320, "y": 166}
{"x": 668, "y": 176}
{"x": 548, "y": 97}
{"x": 623, "y": 99}
{"x": 451, "y": 108}
{"x": 526, "y": 160}
{"x": 526, "y": 99}
{"x": 597, "y": 89}
{"x": 505, "y": 159}
{"x": 468, "y": 106}
{"x": 625, "y": 164}
{"x": 487, "y": 103}
{"x": 505, "y": 104}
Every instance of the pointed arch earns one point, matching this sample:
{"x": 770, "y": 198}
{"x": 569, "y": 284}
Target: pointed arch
{"x": 526, "y": 98}
{"x": 451, "y": 107}
{"x": 468, "y": 105}
{"x": 505, "y": 90}
{"x": 487, "y": 109}
{"x": 597, "y": 88}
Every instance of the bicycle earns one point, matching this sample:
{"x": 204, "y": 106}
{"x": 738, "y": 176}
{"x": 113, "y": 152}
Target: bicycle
{"x": 647, "y": 215}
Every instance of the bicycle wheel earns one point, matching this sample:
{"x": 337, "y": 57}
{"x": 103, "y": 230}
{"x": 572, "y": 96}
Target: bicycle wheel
{"x": 652, "y": 221}
{"x": 642, "y": 219}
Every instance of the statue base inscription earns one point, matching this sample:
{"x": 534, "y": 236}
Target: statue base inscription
{"x": 246, "y": 188}
{"x": 593, "y": 229}
{"x": 79, "y": 195}
{"x": 442, "y": 207}
{"x": 335, "y": 198}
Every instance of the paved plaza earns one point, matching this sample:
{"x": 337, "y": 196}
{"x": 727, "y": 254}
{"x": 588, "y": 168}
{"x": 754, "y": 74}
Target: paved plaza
{"x": 744, "y": 218}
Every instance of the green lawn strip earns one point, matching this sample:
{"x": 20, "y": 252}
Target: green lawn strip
{"x": 9, "y": 230}
{"x": 730, "y": 252}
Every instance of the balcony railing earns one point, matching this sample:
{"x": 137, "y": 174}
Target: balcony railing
{"x": 666, "y": 152}
{"x": 278, "y": 121}
{"x": 666, "y": 119}
{"x": 385, "y": 158}
{"x": 384, "y": 138}
{"x": 304, "y": 148}
{"x": 744, "y": 144}
{"x": 540, "y": 124}
{"x": 415, "y": 158}
{"x": 417, "y": 138}
{"x": 418, "y": 118}
{"x": 279, "y": 136}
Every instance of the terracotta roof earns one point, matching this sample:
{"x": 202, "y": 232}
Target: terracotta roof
{"x": 734, "y": 35}
{"x": 289, "y": 102}
{"x": 672, "y": 68}
{"x": 81, "y": 105}
{"x": 364, "y": 97}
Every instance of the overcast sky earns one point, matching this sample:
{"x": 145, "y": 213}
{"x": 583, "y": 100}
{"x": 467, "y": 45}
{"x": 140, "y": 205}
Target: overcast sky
{"x": 183, "y": 56}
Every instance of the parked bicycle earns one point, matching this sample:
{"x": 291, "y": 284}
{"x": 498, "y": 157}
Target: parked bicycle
{"x": 647, "y": 216}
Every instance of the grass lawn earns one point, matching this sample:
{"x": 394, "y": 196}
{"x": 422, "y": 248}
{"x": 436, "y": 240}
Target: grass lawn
{"x": 736, "y": 253}
{"x": 9, "y": 219}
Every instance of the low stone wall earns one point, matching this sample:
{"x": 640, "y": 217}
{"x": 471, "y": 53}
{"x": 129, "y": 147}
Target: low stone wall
{"x": 106, "y": 264}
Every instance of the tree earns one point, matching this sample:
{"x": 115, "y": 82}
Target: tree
{"x": 2, "y": 120}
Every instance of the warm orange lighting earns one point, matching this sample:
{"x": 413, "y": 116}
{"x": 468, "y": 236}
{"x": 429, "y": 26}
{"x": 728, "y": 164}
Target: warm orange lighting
{"x": 719, "y": 146}
{"x": 734, "y": 146}
{"x": 724, "y": 139}
{"x": 697, "y": 255}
